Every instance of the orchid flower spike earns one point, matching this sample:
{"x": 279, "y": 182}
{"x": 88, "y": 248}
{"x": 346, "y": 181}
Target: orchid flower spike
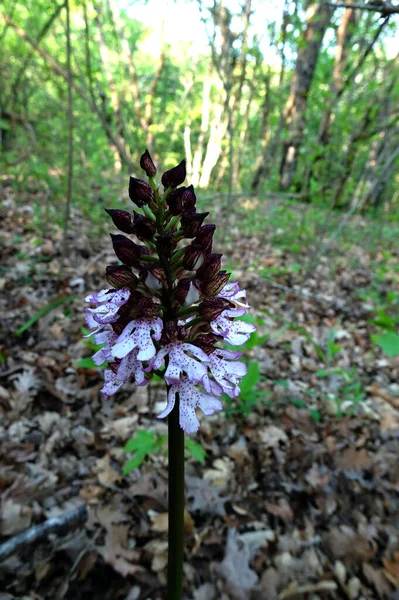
{"x": 169, "y": 307}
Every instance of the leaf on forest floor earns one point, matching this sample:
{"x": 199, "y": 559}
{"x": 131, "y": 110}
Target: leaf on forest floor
{"x": 53, "y": 304}
{"x": 239, "y": 577}
{"x": 204, "y": 497}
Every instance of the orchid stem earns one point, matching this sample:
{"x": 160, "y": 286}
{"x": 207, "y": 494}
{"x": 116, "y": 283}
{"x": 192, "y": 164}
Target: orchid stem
{"x": 176, "y": 505}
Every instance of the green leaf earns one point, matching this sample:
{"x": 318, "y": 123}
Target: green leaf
{"x": 196, "y": 450}
{"x": 251, "y": 378}
{"x": 384, "y": 321}
{"x": 88, "y": 363}
{"x": 44, "y": 311}
{"x": 389, "y": 343}
{"x": 144, "y": 440}
{"x": 133, "y": 463}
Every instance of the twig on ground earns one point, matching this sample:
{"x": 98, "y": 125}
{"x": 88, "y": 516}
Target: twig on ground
{"x": 60, "y": 525}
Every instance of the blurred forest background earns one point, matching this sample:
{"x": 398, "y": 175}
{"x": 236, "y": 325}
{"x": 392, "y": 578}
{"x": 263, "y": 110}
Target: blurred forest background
{"x": 294, "y": 96}
{"x": 288, "y": 115}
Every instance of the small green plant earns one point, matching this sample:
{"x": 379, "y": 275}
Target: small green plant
{"x": 350, "y": 392}
{"x": 332, "y": 348}
{"x": 141, "y": 445}
{"x": 389, "y": 340}
{"x": 146, "y": 443}
{"x": 249, "y": 396}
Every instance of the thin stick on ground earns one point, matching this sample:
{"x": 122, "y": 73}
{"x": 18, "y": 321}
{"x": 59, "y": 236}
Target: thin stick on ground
{"x": 60, "y": 525}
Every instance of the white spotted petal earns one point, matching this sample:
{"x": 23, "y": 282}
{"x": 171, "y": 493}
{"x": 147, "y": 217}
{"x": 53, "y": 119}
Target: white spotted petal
{"x": 139, "y": 333}
{"x": 189, "y": 399}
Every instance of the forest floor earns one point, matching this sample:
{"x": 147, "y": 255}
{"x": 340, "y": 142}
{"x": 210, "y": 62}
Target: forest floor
{"x": 298, "y": 495}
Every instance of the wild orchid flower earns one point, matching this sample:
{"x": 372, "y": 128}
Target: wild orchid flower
{"x": 169, "y": 304}
{"x": 168, "y": 310}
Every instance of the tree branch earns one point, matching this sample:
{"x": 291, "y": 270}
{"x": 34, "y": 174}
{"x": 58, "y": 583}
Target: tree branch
{"x": 385, "y": 8}
{"x": 60, "y": 525}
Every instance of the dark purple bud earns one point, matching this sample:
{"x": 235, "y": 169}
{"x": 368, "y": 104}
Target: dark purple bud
{"x": 213, "y": 287}
{"x": 181, "y": 290}
{"x": 143, "y": 227}
{"x": 119, "y": 276}
{"x": 153, "y": 277}
{"x": 211, "y": 308}
{"x": 205, "y": 236}
{"x": 182, "y": 199}
{"x": 191, "y": 223}
{"x": 206, "y": 342}
{"x": 165, "y": 244}
{"x": 127, "y": 251}
{"x": 147, "y": 164}
{"x": 189, "y": 198}
{"x": 210, "y": 268}
{"x": 175, "y": 201}
{"x": 140, "y": 192}
{"x": 175, "y": 176}
{"x": 193, "y": 257}
{"x": 122, "y": 219}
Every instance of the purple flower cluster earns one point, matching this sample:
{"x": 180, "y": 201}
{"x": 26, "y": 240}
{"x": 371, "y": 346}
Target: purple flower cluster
{"x": 169, "y": 303}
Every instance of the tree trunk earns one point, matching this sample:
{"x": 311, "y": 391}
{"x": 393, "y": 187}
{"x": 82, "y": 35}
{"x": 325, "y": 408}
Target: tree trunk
{"x": 206, "y": 108}
{"x": 318, "y": 17}
{"x": 81, "y": 89}
{"x": 218, "y": 129}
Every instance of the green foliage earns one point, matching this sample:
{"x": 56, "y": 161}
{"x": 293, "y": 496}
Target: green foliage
{"x": 389, "y": 342}
{"x": 146, "y": 443}
{"x": 143, "y": 444}
{"x": 195, "y": 449}
{"x": 53, "y": 304}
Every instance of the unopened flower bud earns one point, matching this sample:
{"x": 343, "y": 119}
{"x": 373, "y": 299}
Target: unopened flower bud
{"x": 189, "y": 198}
{"x": 127, "y": 251}
{"x": 181, "y": 290}
{"x": 211, "y": 308}
{"x": 143, "y": 227}
{"x": 206, "y": 342}
{"x": 182, "y": 199}
{"x": 175, "y": 201}
{"x": 140, "y": 192}
{"x": 147, "y": 164}
{"x": 119, "y": 276}
{"x": 215, "y": 285}
{"x": 205, "y": 236}
{"x": 193, "y": 257}
{"x": 165, "y": 244}
{"x": 210, "y": 268}
{"x": 175, "y": 176}
{"x": 122, "y": 219}
{"x": 153, "y": 277}
{"x": 191, "y": 223}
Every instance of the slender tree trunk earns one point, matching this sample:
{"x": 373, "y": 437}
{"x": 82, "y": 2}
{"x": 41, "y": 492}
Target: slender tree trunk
{"x": 218, "y": 128}
{"x": 111, "y": 86}
{"x": 269, "y": 145}
{"x": 68, "y": 203}
{"x": 359, "y": 134}
{"x": 318, "y": 16}
{"x": 336, "y": 87}
{"x": 81, "y": 89}
{"x": 206, "y": 109}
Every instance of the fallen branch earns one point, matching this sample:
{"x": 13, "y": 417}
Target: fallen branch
{"x": 60, "y": 525}
{"x": 385, "y": 8}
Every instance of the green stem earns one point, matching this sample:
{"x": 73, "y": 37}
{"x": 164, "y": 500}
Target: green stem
{"x": 176, "y": 505}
